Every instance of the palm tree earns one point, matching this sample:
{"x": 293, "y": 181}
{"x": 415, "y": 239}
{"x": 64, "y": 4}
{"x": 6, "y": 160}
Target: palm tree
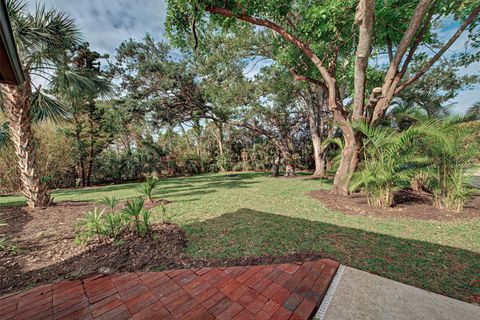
{"x": 42, "y": 40}
{"x": 390, "y": 160}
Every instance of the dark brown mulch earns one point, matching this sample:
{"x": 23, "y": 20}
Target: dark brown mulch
{"x": 44, "y": 248}
{"x": 45, "y": 251}
{"x": 407, "y": 204}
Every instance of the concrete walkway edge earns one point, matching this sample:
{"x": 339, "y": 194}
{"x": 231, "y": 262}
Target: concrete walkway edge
{"x": 322, "y": 310}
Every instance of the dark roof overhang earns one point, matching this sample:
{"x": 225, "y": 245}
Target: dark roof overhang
{"x": 10, "y": 67}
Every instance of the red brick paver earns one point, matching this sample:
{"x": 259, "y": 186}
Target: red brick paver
{"x": 286, "y": 291}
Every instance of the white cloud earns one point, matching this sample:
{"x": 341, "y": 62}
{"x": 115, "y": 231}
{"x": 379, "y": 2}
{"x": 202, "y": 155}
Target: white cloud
{"x": 106, "y": 23}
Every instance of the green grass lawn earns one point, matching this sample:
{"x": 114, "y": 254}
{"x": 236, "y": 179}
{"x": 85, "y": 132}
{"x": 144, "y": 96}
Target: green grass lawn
{"x": 253, "y": 214}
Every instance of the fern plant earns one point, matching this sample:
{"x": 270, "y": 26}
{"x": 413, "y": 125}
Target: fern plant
{"x": 148, "y": 186}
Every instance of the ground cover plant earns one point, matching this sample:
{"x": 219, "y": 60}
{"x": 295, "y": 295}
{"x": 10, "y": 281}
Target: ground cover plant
{"x": 255, "y": 218}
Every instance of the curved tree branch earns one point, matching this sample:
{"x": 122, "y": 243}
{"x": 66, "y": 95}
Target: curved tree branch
{"x": 471, "y": 18}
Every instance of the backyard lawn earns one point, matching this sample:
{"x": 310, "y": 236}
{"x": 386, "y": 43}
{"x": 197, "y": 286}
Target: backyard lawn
{"x": 228, "y": 217}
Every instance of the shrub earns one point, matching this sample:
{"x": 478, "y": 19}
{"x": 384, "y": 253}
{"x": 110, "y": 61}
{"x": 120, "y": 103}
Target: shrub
{"x": 148, "y": 186}
{"x": 115, "y": 222}
{"x": 110, "y": 203}
{"x": 390, "y": 162}
{"x": 222, "y": 162}
{"x": 134, "y": 209}
{"x": 91, "y": 225}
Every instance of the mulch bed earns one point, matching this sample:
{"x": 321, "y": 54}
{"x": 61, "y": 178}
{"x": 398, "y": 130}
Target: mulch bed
{"x": 45, "y": 251}
{"x": 407, "y": 204}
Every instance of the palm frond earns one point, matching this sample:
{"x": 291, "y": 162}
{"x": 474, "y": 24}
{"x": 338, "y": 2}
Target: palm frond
{"x": 72, "y": 84}
{"x": 45, "y": 107}
{"x": 335, "y": 140}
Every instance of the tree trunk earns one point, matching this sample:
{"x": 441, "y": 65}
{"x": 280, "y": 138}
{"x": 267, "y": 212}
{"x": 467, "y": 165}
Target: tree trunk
{"x": 287, "y": 159}
{"x": 17, "y": 108}
{"x": 348, "y": 162}
{"x": 219, "y": 138}
{"x": 318, "y": 154}
{"x": 276, "y": 166}
{"x": 364, "y": 18}
{"x": 289, "y": 168}
{"x": 91, "y": 147}
{"x": 81, "y": 162}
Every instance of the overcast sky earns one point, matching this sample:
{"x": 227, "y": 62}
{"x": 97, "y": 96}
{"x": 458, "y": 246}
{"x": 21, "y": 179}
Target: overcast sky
{"x": 106, "y": 23}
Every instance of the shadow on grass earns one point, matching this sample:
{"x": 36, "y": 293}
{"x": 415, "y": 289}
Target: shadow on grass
{"x": 442, "y": 269}
{"x": 248, "y": 236}
{"x": 96, "y": 189}
{"x": 174, "y": 187}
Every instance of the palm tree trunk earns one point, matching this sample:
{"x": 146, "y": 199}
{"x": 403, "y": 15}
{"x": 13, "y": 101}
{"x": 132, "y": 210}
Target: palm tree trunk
{"x": 91, "y": 146}
{"x": 17, "y": 108}
{"x": 80, "y": 153}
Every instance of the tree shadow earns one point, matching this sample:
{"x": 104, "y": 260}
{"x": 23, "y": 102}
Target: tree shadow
{"x": 15, "y": 219}
{"x": 182, "y": 186}
{"x": 95, "y": 189}
{"x": 442, "y": 269}
{"x": 256, "y": 237}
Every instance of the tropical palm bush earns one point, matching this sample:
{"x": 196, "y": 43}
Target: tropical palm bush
{"x": 114, "y": 224}
{"x": 452, "y": 148}
{"x": 91, "y": 225}
{"x": 148, "y": 186}
{"x": 430, "y": 155}
{"x": 391, "y": 159}
{"x": 109, "y": 202}
{"x": 133, "y": 209}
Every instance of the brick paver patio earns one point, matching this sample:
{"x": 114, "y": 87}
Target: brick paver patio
{"x": 285, "y": 291}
